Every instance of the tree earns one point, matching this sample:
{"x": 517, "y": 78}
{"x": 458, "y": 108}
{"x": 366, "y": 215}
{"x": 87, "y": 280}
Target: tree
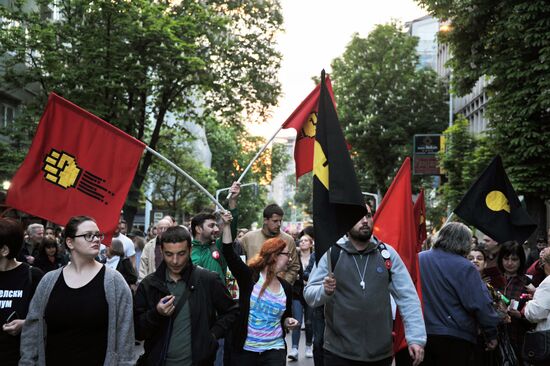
{"x": 384, "y": 98}
{"x": 133, "y": 63}
{"x": 172, "y": 191}
{"x": 465, "y": 157}
{"x": 507, "y": 42}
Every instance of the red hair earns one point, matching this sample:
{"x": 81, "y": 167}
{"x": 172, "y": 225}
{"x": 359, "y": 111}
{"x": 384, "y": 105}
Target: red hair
{"x": 267, "y": 259}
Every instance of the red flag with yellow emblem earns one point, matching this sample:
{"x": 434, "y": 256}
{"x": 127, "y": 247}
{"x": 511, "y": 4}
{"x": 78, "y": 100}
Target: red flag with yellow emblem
{"x": 420, "y": 220}
{"x": 78, "y": 164}
{"x": 304, "y": 120}
{"x": 394, "y": 224}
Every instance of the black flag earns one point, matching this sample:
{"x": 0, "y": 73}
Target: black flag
{"x": 338, "y": 203}
{"x": 492, "y": 206}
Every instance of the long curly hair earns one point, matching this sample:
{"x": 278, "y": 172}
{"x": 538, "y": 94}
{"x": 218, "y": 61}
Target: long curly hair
{"x": 267, "y": 259}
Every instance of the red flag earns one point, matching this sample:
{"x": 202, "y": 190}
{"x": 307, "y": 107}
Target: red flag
{"x": 304, "y": 120}
{"x": 78, "y": 164}
{"x": 394, "y": 224}
{"x": 420, "y": 220}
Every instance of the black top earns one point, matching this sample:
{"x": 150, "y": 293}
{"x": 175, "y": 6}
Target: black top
{"x": 44, "y": 263}
{"x": 16, "y": 290}
{"x": 77, "y": 323}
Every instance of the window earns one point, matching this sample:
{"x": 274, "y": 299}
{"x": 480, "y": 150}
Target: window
{"x": 7, "y": 113}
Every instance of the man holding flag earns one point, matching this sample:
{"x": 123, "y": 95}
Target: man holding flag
{"x": 354, "y": 279}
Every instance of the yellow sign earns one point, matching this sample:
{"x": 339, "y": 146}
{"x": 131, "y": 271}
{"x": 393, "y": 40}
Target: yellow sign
{"x": 497, "y": 201}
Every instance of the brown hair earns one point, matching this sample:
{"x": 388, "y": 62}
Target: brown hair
{"x": 267, "y": 259}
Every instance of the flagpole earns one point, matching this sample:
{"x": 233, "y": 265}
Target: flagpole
{"x": 182, "y": 172}
{"x": 448, "y": 218}
{"x": 256, "y": 157}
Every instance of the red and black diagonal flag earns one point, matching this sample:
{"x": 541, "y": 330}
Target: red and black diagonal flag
{"x": 492, "y": 206}
{"x": 337, "y": 200}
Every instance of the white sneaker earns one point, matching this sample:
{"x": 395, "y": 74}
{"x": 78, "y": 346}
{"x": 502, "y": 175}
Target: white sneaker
{"x": 293, "y": 355}
{"x": 309, "y": 351}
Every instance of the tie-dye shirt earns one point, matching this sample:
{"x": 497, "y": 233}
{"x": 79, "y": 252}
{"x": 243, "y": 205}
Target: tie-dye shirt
{"x": 264, "y": 319}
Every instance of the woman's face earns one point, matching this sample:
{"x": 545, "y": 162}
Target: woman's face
{"x": 305, "y": 243}
{"x": 281, "y": 262}
{"x": 83, "y": 247}
{"x": 511, "y": 264}
{"x": 50, "y": 251}
{"x": 478, "y": 259}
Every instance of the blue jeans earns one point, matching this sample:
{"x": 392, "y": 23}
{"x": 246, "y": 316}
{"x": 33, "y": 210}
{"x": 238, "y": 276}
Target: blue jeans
{"x": 298, "y": 310}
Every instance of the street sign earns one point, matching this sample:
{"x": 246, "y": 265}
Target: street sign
{"x": 425, "y": 150}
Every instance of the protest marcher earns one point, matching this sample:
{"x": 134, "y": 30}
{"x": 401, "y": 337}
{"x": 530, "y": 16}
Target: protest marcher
{"x": 48, "y": 258}
{"x": 151, "y": 257}
{"x": 252, "y": 241}
{"x": 139, "y": 245}
{"x": 456, "y": 303}
{"x": 356, "y": 293}
{"x": 504, "y": 353}
{"x": 35, "y": 234}
{"x": 181, "y": 310}
{"x": 117, "y": 261}
{"x": 534, "y": 254}
{"x": 300, "y": 309}
{"x": 18, "y": 282}
{"x": 537, "y": 310}
{"x": 511, "y": 262}
{"x": 86, "y": 306}
{"x": 265, "y": 300}
{"x": 129, "y": 250}
{"x": 491, "y": 271}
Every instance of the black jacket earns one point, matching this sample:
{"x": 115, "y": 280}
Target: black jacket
{"x": 246, "y": 279}
{"x": 125, "y": 268}
{"x": 208, "y": 297}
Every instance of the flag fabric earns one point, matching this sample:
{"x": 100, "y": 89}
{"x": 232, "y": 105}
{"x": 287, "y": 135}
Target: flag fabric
{"x": 492, "y": 206}
{"x": 337, "y": 200}
{"x": 419, "y": 210}
{"x": 394, "y": 224}
{"x": 78, "y": 164}
{"x": 303, "y": 120}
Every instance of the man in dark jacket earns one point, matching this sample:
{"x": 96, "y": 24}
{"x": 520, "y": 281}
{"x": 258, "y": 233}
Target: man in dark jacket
{"x": 181, "y": 310}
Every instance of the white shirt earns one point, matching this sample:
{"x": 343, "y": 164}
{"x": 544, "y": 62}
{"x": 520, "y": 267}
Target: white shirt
{"x": 129, "y": 249}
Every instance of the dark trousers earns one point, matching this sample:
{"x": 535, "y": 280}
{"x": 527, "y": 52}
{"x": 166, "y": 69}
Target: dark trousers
{"x": 332, "y": 360}
{"x": 275, "y": 357}
{"x": 447, "y": 351}
{"x": 403, "y": 358}
{"x": 318, "y": 325}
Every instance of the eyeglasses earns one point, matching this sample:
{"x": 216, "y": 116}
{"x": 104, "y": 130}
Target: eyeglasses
{"x": 90, "y": 236}
{"x": 285, "y": 253}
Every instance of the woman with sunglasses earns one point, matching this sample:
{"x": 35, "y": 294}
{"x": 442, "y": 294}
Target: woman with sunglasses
{"x": 81, "y": 314}
{"x": 265, "y": 301}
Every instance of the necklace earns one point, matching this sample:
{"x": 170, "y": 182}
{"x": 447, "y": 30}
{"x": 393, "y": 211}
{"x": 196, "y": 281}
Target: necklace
{"x": 362, "y": 276}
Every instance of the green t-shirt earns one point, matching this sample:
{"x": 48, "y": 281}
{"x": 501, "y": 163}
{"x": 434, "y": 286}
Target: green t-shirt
{"x": 179, "y": 349}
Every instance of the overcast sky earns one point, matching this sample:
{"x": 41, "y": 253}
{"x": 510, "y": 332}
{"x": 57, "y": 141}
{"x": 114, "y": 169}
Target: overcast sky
{"x": 316, "y": 32}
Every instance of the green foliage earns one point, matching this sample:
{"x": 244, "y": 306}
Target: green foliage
{"x": 383, "y": 100}
{"x": 463, "y": 160}
{"x": 133, "y": 63}
{"x": 172, "y": 192}
{"x": 508, "y": 42}
{"x": 303, "y": 197}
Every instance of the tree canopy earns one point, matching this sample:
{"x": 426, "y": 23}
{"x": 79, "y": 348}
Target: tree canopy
{"x": 508, "y": 42}
{"x": 384, "y": 98}
{"x": 133, "y": 63}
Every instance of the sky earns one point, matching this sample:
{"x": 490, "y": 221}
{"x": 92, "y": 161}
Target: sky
{"x": 316, "y": 32}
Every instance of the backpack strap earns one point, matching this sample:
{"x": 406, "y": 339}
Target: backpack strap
{"x": 385, "y": 253}
{"x": 335, "y": 252}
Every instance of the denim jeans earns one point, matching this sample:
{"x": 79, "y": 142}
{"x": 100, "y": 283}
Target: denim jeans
{"x": 298, "y": 311}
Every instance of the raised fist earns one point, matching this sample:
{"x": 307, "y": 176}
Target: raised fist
{"x": 61, "y": 169}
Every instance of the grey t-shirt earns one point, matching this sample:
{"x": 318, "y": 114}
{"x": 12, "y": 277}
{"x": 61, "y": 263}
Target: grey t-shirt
{"x": 179, "y": 349}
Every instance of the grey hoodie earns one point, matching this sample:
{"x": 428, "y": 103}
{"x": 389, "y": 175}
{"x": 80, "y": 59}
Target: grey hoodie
{"x": 120, "y": 336}
{"x": 359, "y": 322}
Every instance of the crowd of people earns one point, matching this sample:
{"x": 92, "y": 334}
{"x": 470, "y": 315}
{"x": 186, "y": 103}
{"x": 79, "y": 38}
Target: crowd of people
{"x": 212, "y": 294}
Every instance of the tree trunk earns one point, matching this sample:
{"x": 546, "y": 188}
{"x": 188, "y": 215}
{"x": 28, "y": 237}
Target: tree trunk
{"x": 537, "y": 210}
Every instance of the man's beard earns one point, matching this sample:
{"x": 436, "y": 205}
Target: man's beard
{"x": 360, "y": 235}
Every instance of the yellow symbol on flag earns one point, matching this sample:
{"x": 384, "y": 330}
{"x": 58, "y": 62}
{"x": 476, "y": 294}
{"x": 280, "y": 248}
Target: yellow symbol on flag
{"x": 320, "y": 164}
{"x": 308, "y": 129}
{"x": 497, "y": 201}
{"x": 61, "y": 169}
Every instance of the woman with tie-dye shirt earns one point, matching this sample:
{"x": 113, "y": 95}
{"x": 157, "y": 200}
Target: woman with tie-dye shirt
{"x": 265, "y": 303}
